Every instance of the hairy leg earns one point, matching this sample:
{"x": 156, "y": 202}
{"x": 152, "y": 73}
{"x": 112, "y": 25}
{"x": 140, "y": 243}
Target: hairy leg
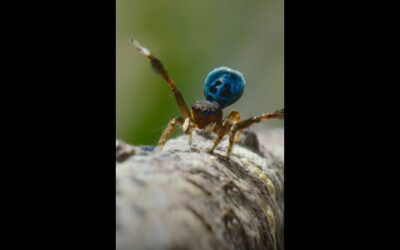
{"x": 167, "y": 132}
{"x": 159, "y": 68}
{"x": 263, "y": 117}
{"x": 233, "y": 116}
{"x": 238, "y": 127}
{"x": 231, "y": 142}
{"x": 188, "y": 128}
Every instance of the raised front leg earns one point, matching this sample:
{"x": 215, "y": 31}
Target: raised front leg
{"x": 158, "y": 67}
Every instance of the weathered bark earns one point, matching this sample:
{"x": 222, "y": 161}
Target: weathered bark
{"x": 184, "y": 198}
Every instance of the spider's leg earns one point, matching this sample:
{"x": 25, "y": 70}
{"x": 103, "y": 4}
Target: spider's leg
{"x": 188, "y": 128}
{"x": 238, "y": 127}
{"x": 232, "y": 141}
{"x": 158, "y": 67}
{"x": 167, "y": 132}
{"x": 263, "y": 117}
{"x": 190, "y": 138}
{"x": 222, "y": 129}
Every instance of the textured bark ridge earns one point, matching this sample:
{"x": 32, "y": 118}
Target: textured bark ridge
{"x": 184, "y": 198}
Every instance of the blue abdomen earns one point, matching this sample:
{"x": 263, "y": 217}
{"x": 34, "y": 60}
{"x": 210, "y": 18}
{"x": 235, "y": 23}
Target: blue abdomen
{"x": 224, "y": 86}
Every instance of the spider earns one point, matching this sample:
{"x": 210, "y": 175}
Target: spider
{"x": 222, "y": 87}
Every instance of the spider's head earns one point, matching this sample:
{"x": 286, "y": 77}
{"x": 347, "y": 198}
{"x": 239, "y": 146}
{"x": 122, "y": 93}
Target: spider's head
{"x": 206, "y": 112}
{"x": 224, "y": 86}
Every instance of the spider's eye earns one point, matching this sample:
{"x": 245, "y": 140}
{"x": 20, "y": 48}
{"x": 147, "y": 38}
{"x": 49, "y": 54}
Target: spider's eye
{"x": 224, "y": 86}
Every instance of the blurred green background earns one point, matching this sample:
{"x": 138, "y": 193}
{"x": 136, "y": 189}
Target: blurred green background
{"x": 191, "y": 38}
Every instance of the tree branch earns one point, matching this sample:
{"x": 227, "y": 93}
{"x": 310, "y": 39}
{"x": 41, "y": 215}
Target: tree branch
{"x": 184, "y": 198}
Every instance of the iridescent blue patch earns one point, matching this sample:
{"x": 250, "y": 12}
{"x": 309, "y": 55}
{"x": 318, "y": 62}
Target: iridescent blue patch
{"x": 224, "y": 86}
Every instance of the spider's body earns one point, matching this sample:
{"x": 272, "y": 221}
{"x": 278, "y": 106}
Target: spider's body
{"x": 206, "y": 113}
{"x": 222, "y": 87}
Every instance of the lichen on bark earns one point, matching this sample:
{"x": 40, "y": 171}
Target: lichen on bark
{"x": 184, "y": 198}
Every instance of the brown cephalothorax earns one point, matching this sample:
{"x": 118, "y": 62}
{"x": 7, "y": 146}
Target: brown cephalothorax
{"x": 205, "y": 113}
